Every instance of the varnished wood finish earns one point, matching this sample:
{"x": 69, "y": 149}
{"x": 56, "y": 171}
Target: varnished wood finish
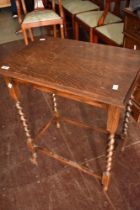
{"x": 131, "y": 30}
{"x": 52, "y": 184}
{"x": 33, "y": 24}
{"x": 68, "y": 69}
{"x": 73, "y": 68}
{"x": 5, "y": 3}
{"x": 92, "y": 35}
{"x": 104, "y": 38}
{"x": 72, "y": 16}
{"x": 136, "y": 104}
{"x": 132, "y": 41}
{"x": 68, "y": 162}
{"x": 126, "y": 122}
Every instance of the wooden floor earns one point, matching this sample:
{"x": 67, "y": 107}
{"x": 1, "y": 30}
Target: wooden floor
{"x": 51, "y": 185}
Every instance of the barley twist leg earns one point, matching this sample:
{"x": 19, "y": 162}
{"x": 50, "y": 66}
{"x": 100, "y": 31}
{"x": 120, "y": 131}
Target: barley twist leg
{"x": 112, "y": 125}
{"x": 109, "y": 158}
{"x": 30, "y": 144}
{"x": 55, "y": 109}
{"x": 126, "y": 122}
{"x": 15, "y": 93}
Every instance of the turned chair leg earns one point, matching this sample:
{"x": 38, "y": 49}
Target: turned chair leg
{"x": 65, "y": 26}
{"x": 73, "y": 24}
{"x": 25, "y": 36}
{"x": 95, "y": 38}
{"x": 126, "y": 122}
{"x": 55, "y": 110}
{"x": 92, "y": 37}
{"x": 76, "y": 30}
{"x": 31, "y": 34}
{"x": 54, "y": 31}
{"x": 62, "y": 31}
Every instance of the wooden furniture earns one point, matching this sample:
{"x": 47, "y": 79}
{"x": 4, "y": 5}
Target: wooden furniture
{"x": 91, "y": 19}
{"x": 111, "y": 34}
{"x": 5, "y": 3}
{"x": 136, "y": 104}
{"x": 132, "y": 41}
{"x": 39, "y": 17}
{"x": 131, "y": 30}
{"x": 74, "y": 7}
{"x": 73, "y": 70}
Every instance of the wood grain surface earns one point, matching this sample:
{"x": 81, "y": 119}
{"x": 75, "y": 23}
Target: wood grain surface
{"x": 75, "y": 68}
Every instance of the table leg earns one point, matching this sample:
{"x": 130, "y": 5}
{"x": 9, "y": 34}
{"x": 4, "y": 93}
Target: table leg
{"x": 126, "y": 122}
{"x": 14, "y": 93}
{"x": 112, "y": 125}
{"x": 55, "y": 109}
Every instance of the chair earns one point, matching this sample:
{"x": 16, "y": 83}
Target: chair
{"x": 92, "y": 19}
{"x": 111, "y": 34}
{"x": 74, "y": 7}
{"x": 39, "y": 17}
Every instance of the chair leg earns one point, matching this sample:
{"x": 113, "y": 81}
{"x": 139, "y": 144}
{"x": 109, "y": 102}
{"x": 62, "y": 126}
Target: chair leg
{"x": 48, "y": 30}
{"x": 54, "y": 31}
{"x": 73, "y": 24}
{"x": 31, "y": 34}
{"x": 91, "y": 35}
{"x": 62, "y": 31}
{"x": 65, "y": 26}
{"x": 76, "y": 30}
{"x": 95, "y": 38}
{"x": 25, "y": 36}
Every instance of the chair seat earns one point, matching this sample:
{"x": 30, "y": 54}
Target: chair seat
{"x": 91, "y": 18}
{"x": 79, "y": 6}
{"x": 40, "y": 15}
{"x": 113, "y": 31}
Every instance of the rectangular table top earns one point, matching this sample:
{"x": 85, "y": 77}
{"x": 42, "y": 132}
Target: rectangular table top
{"x": 73, "y": 67}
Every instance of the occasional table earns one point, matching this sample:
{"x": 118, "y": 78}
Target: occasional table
{"x": 99, "y": 75}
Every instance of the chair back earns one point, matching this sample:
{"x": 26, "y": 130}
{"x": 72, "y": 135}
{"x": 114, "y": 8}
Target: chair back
{"x": 100, "y": 3}
{"x": 113, "y": 6}
{"x": 38, "y": 4}
{"x": 116, "y": 6}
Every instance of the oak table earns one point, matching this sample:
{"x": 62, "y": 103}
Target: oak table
{"x": 99, "y": 75}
